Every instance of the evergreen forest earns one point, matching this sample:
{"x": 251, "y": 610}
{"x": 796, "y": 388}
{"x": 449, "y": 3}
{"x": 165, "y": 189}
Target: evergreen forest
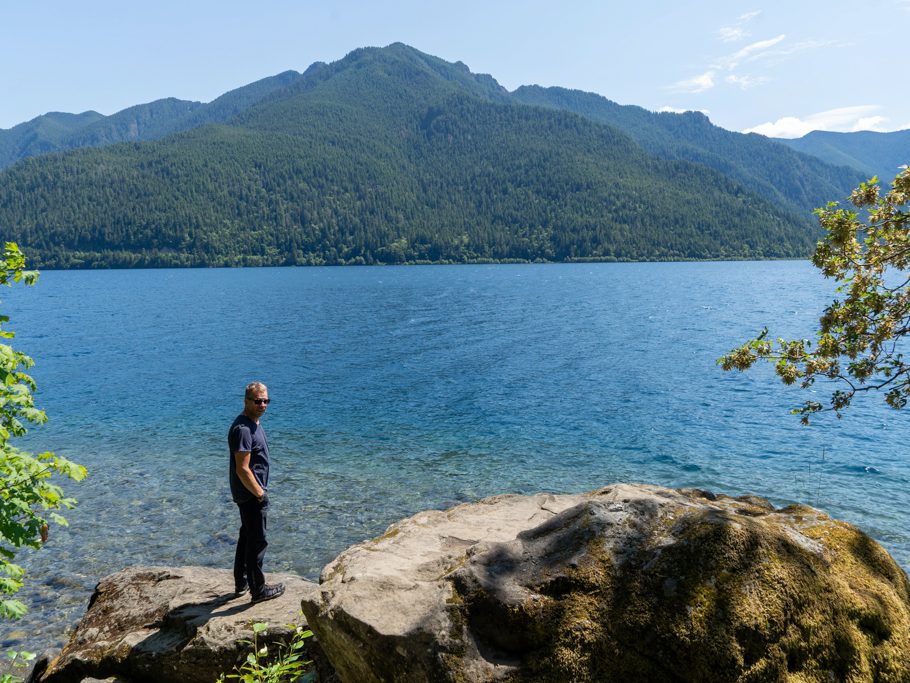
{"x": 393, "y": 156}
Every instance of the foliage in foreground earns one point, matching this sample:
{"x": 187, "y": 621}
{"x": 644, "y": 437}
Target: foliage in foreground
{"x": 861, "y": 338}
{"x": 27, "y": 492}
{"x": 284, "y": 663}
{"x": 16, "y": 660}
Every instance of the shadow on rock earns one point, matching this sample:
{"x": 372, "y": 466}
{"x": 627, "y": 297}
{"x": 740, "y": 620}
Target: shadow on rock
{"x": 169, "y": 625}
{"x": 627, "y": 583}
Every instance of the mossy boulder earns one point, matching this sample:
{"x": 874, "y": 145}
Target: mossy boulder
{"x": 169, "y": 625}
{"x": 627, "y": 583}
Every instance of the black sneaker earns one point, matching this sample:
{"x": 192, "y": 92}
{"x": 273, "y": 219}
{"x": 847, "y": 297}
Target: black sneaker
{"x": 268, "y": 593}
{"x": 240, "y": 589}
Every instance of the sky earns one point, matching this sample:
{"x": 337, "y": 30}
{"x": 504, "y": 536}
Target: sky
{"x": 773, "y": 67}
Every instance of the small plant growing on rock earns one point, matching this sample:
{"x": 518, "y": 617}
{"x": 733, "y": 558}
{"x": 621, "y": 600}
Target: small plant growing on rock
{"x": 16, "y": 660}
{"x": 276, "y": 663}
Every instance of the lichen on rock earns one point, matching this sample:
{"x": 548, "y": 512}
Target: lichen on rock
{"x": 168, "y": 625}
{"x": 627, "y": 583}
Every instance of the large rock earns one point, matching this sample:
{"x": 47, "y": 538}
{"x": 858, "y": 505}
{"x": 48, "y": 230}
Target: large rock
{"x": 628, "y": 583}
{"x": 169, "y": 625}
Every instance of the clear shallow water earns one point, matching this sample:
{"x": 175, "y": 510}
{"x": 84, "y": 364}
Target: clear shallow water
{"x": 400, "y": 389}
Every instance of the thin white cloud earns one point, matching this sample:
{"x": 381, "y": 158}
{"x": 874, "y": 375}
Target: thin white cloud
{"x": 778, "y": 55}
{"x": 745, "y": 82}
{"x": 843, "y": 119}
{"x": 667, "y": 109}
{"x": 731, "y": 34}
{"x": 736, "y": 32}
{"x": 785, "y": 127}
{"x": 870, "y": 123}
{"x": 696, "y": 84}
{"x": 706, "y": 81}
{"x": 770, "y": 51}
{"x": 750, "y": 53}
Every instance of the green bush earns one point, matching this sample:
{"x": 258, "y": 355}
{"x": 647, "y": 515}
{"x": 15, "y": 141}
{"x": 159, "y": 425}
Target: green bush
{"x": 27, "y": 491}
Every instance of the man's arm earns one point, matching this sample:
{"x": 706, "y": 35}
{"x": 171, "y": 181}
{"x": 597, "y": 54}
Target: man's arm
{"x": 245, "y": 474}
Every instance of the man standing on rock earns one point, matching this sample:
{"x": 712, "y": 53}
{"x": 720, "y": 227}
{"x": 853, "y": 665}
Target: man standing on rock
{"x": 249, "y": 475}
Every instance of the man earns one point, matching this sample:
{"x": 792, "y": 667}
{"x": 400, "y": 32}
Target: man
{"x": 249, "y": 475}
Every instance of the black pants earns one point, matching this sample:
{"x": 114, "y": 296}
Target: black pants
{"x": 251, "y": 545}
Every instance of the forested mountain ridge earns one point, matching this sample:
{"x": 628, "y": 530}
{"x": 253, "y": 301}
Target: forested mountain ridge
{"x": 869, "y": 152}
{"x": 56, "y": 132}
{"x": 798, "y": 181}
{"x": 386, "y": 156}
{"x": 41, "y": 135}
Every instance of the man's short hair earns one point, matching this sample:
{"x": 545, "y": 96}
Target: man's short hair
{"x": 254, "y": 388}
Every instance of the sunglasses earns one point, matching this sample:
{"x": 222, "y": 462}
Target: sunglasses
{"x": 260, "y": 401}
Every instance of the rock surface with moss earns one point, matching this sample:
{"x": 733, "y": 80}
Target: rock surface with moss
{"x": 168, "y": 625}
{"x": 627, "y": 583}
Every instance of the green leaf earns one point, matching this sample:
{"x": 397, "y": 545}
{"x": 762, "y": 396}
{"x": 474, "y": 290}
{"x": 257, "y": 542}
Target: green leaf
{"x": 12, "y": 609}
{"x": 9, "y": 586}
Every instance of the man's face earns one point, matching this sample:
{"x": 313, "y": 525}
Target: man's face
{"x": 257, "y": 403}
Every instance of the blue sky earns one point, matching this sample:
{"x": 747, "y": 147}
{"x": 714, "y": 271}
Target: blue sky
{"x": 779, "y": 68}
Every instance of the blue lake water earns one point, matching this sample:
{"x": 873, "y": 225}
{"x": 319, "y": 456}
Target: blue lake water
{"x": 397, "y": 389}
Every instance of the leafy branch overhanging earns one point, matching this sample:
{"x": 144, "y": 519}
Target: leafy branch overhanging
{"x": 861, "y": 337}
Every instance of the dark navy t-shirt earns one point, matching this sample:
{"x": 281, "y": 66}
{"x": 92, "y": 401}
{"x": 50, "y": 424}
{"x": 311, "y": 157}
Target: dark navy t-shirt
{"x": 247, "y": 436}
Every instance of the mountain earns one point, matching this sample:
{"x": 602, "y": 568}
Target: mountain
{"x": 800, "y": 182}
{"x": 41, "y": 135}
{"x": 870, "y": 153}
{"x": 60, "y": 132}
{"x": 141, "y": 122}
{"x": 390, "y": 156}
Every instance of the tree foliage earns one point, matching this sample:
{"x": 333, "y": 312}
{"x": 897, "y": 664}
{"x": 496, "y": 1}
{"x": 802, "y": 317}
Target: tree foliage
{"x": 392, "y": 156}
{"x": 463, "y": 180}
{"x": 862, "y": 337}
{"x": 771, "y": 170}
{"x": 29, "y": 498}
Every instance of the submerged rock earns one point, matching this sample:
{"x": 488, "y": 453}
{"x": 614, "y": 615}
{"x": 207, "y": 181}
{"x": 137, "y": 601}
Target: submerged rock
{"x": 168, "y": 625}
{"x": 627, "y": 583}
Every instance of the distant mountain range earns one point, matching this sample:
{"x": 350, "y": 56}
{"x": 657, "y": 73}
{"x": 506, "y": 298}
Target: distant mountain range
{"x": 392, "y": 156}
{"x": 870, "y": 153}
{"x": 58, "y": 132}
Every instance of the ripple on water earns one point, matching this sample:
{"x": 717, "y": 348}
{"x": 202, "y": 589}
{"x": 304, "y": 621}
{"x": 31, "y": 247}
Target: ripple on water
{"x": 402, "y": 389}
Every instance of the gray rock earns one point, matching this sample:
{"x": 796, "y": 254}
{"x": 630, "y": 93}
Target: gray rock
{"x": 627, "y": 583}
{"x": 169, "y": 625}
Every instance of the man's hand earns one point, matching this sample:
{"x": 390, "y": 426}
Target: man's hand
{"x": 245, "y": 474}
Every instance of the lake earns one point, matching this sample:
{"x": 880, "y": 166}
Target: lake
{"x": 396, "y": 389}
